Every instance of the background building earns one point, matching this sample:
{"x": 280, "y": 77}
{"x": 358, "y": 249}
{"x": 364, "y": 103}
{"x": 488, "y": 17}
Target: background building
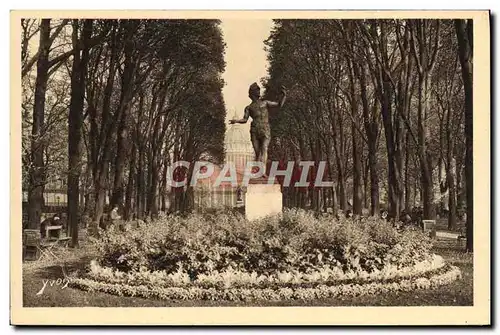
{"x": 238, "y": 152}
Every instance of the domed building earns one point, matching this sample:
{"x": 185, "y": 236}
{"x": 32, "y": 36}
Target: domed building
{"x": 238, "y": 147}
{"x": 238, "y": 152}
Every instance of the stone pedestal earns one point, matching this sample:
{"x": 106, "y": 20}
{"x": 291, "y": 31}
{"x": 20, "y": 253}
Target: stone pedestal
{"x": 262, "y": 199}
{"x": 429, "y": 227}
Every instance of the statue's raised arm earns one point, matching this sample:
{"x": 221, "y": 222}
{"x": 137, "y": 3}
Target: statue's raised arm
{"x": 282, "y": 99}
{"x": 245, "y": 117}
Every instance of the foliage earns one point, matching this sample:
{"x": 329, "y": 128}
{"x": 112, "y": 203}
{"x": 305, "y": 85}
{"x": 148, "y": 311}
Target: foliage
{"x": 144, "y": 92}
{"x": 296, "y": 240}
{"x": 365, "y": 95}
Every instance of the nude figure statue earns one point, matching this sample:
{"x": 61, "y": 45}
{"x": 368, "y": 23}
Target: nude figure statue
{"x": 260, "y": 132}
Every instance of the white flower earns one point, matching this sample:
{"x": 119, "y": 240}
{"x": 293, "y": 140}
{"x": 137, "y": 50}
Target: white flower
{"x": 422, "y": 283}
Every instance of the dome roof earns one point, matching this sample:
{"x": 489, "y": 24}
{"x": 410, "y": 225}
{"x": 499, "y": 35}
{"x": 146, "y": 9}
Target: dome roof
{"x": 238, "y": 139}
{"x": 235, "y": 135}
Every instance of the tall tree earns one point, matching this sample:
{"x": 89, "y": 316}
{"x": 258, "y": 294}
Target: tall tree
{"x": 425, "y": 45}
{"x": 353, "y": 97}
{"x": 102, "y": 137}
{"x": 383, "y": 70}
{"x": 464, "y": 31}
{"x": 126, "y": 96}
{"x": 38, "y": 141}
{"x": 75, "y": 123}
{"x": 448, "y": 91}
{"x": 378, "y": 38}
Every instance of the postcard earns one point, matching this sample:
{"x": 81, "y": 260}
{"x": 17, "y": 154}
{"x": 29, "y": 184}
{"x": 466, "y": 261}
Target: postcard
{"x": 250, "y": 168}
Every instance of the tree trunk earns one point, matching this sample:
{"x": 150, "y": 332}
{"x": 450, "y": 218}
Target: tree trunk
{"x": 427, "y": 193}
{"x": 129, "y": 195}
{"x": 374, "y": 179}
{"x": 371, "y": 129}
{"x": 325, "y": 200}
{"x": 99, "y": 208}
{"x": 366, "y": 175}
{"x": 164, "y": 184}
{"x": 75, "y": 121}
{"x": 153, "y": 190}
{"x": 424, "y": 55}
{"x": 141, "y": 185}
{"x": 357, "y": 196}
{"x": 334, "y": 200}
{"x": 465, "y": 51}
{"x": 340, "y": 173}
{"x": 88, "y": 195}
{"x": 425, "y": 162}
{"x": 407, "y": 174}
{"x": 450, "y": 171}
{"x": 452, "y": 197}
{"x": 37, "y": 169}
{"x": 393, "y": 173}
{"x": 341, "y": 192}
{"x": 126, "y": 96}
{"x": 108, "y": 129}
{"x": 461, "y": 202}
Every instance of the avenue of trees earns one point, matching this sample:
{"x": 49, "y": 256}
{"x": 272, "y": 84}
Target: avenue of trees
{"x": 108, "y": 104}
{"x": 386, "y": 103}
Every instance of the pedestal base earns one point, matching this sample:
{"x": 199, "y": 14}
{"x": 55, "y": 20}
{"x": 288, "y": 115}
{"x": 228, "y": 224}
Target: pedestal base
{"x": 262, "y": 200}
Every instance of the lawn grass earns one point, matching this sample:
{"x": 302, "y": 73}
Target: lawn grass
{"x": 458, "y": 293}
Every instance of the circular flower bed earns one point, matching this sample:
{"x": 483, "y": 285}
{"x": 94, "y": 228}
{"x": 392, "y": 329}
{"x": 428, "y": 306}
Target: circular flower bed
{"x": 296, "y": 255}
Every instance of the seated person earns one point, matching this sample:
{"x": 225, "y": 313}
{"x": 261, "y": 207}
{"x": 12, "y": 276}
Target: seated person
{"x": 53, "y": 221}
{"x": 114, "y": 214}
{"x": 63, "y": 221}
{"x": 115, "y": 219}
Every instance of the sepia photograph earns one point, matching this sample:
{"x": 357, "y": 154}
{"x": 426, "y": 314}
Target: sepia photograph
{"x": 250, "y": 161}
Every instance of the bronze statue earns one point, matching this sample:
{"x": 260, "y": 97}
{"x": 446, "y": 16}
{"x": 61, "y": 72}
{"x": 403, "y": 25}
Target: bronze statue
{"x": 260, "y": 132}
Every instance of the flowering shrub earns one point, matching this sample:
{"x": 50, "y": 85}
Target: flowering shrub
{"x": 294, "y": 241}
